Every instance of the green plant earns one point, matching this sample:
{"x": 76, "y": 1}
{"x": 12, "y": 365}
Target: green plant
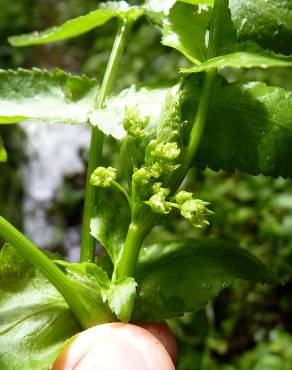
{"x": 202, "y": 120}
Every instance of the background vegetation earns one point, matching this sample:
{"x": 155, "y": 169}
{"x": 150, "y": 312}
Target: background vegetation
{"x": 247, "y": 327}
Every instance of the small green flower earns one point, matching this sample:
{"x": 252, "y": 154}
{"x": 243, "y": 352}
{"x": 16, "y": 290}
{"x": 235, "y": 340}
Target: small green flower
{"x": 195, "y": 211}
{"x": 142, "y": 176}
{"x": 134, "y": 124}
{"x": 183, "y": 196}
{"x": 161, "y": 168}
{"x": 157, "y": 202}
{"x": 103, "y": 176}
{"x": 164, "y": 151}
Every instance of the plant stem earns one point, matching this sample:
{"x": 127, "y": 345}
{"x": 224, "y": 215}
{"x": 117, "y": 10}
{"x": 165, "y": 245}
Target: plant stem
{"x": 124, "y": 191}
{"x": 86, "y": 313}
{"x": 136, "y": 233}
{"x": 204, "y": 103}
{"x": 87, "y": 252}
{"x": 196, "y": 132}
{"x": 127, "y": 262}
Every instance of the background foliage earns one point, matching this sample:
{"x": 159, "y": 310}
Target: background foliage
{"x": 246, "y": 329}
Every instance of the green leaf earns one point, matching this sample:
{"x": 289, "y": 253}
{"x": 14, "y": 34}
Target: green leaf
{"x": 268, "y": 23}
{"x": 182, "y": 276}
{"x": 35, "y": 321}
{"x": 225, "y": 40}
{"x": 157, "y": 10}
{"x": 77, "y": 26}
{"x": 249, "y": 128}
{"x": 184, "y": 29}
{"x": 120, "y": 296}
{"x": 55, "y": 97}
{"x": 3, "y": 153}
{"x": 147, "y": 101}
{"x": 110, "y": 222}
{"x": 242, "y": 60}
{"x": 198, "y": 2}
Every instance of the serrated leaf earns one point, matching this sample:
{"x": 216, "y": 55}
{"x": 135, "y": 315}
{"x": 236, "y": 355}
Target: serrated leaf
{"x": 35, "y": 321}
{"x": 120, "y": 296}
{"x": 182, "y": 276}
{"x": 185, "y": 29}
{"x": 110, "y": 119}
{"x": 77, "y": 26}
{"x": 249, "y": 129}
{"x": 268, "y": 23}
{"x": 3, "y": 153}
{"x": 242, "y": 60}
{"x": 35, "y": 94}
{"x": 110, "y": 222}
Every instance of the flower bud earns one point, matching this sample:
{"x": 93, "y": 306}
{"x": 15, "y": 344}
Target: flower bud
{"x": 103, "y": 176}
{"x": 134, "y": 124}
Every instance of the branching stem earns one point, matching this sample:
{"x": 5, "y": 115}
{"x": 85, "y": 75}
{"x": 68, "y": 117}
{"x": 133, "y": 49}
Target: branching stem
{"x": 136, "y": 233}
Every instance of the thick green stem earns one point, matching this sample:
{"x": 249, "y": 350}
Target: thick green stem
{"x": 127, "y": 263}
{"x": 87, "y": 313}
{"x": 95, "y": 152}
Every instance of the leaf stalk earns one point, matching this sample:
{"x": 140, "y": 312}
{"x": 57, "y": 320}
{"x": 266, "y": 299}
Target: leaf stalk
{"x": 87, "y": 253}
{"x": 86, "y": 312}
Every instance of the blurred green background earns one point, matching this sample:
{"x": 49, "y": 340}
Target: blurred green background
{"x": 248, "y": 327}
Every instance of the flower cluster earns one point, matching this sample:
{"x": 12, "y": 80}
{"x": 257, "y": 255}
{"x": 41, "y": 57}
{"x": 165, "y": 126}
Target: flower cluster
{"x": 103, "y": 176}
{"x": 193, "y": 210}
{"x": 134, "y": 124}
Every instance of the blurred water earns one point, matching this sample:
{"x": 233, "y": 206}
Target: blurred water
{"x": 53, "y": 152}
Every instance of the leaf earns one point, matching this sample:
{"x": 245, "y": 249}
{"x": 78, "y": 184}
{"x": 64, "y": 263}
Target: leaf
{"x": 197, "y": 2}
{"x": 120, "y": 296}
{"x": 110, "y": 222}
{"x": 249, "y": 128}
{"x": 242, "y": 60}
{"x": 110, "y": 119}
{"x": 77, "y": 26}
{"x": 3, "y": 153}
{"x": 157, "y": 10}
{"x": 50, "y": 97}
{"x": 182, "y": 276}
{"x": 268, "y": 23}
{"x": 35, "y": 321}
{"x": 226, "y": 40}
{"x": 184, "y": 29}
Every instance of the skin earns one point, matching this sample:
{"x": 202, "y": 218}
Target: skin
{"x": 120, "y": 346}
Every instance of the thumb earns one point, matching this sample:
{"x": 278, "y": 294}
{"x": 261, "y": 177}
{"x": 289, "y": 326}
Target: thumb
{"x": 115, "y": 346}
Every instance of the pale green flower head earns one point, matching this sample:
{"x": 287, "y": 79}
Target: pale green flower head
{"x": 142, "y": 176}
{"x": 134, "y": 124}
{"x": 158, "y": 202}
{"x": 195, "y": 211}
{"x": 165, "y": 151}
{"x": 103, "y": 176}
{"x": 183, "y": 196}
{"x": 163, "y": 168}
